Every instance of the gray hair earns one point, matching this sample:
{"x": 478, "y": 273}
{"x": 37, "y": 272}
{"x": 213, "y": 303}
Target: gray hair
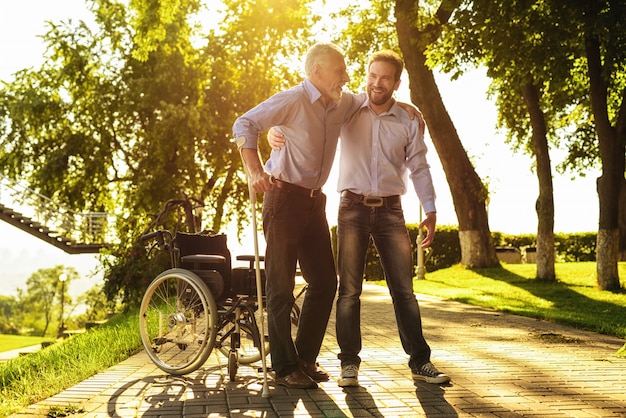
{"x": 317, "y": 54}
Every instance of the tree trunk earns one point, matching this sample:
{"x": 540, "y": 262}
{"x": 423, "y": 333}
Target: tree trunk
{"x": 545, "y": 201}
{"x": 468, "y": 192}
{"x": 622, "y": 222}
{"x": 222, "y": 198}
{"x": 610, "y": 182}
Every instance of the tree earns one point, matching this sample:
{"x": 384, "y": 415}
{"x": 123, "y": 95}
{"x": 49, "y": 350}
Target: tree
{"x": 602, "y": 32}
{"x": 40, "y": 302}
{"x": 98, "y": 306}
{"x": 415, "y": 35}
{"x": 9, "y": 312}
{"x": 250, "y": 57}
{"x": 529, "y": 81}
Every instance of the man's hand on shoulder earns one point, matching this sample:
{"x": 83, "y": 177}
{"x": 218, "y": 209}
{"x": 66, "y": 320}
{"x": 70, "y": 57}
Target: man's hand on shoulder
{"x": 413, "y": 112}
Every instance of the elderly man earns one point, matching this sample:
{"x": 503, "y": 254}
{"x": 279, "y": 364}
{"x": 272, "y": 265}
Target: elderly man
{"x": 294, "y": 207}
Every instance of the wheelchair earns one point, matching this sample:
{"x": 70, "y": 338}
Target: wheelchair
{"x": 201, "y": 303}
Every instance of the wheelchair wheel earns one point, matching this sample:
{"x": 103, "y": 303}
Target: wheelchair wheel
{"x": 177, "y": 321}
{"x": 232, "y": 366}
{"x": 241, "y": 337}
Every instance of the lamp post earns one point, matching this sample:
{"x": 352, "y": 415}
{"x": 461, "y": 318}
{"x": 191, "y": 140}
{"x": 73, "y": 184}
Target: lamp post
{"x": 421, "y": 269}
{"x": 62, "y": 279}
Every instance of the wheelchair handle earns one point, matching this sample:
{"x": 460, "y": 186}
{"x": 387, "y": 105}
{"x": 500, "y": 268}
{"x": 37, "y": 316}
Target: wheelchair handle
{"x": 148, "y": 237}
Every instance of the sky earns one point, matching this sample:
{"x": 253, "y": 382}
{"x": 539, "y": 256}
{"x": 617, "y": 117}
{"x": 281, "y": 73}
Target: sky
{"x": 513, "y": 185}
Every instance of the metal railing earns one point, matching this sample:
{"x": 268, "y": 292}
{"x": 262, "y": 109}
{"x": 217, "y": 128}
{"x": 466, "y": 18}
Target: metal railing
{"x": 49, "y": 216}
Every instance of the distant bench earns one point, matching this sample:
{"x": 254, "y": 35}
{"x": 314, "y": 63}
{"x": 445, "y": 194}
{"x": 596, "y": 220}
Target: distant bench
{"x": 88, "y": 326}
{"x": 509, "y": 255}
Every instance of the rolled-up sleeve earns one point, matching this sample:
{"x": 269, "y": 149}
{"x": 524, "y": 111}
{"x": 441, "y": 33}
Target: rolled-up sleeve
{"x": 272, "y": 112}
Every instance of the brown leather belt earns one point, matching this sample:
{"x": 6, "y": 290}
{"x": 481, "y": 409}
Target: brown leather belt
{"x": 371, "y": 201}
{"x": 294, "y": 188}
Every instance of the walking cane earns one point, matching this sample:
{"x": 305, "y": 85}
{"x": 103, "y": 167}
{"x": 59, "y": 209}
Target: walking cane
{"x": 257, "y": 268}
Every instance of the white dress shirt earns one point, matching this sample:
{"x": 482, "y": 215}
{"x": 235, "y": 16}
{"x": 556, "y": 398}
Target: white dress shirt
{"x": 379, "y": 153}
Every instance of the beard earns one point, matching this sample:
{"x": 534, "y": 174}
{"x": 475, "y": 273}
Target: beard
{"x": 379, "y": 98}
{"x": 335, "y": 95}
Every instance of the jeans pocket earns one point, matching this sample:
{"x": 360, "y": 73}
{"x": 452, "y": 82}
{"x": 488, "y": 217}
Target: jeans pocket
{"x": 345, "y": 203}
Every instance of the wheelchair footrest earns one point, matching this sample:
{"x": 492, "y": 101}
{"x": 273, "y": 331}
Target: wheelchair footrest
{"x": 203, "y": 258}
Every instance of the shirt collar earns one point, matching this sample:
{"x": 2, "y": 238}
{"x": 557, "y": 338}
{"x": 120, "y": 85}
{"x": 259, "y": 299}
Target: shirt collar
{"x": 311, "y": 91}
{"x": 394, "y": 110}
{"x": 314, "y": 94}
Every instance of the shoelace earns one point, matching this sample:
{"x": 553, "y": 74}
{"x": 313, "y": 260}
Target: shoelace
{"x": 430, "y": 370}
{"x": 350, "y": 370}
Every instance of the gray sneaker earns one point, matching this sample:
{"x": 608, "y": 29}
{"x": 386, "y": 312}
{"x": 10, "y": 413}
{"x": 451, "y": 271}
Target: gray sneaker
{"x": 349, "y": 376}
{"x": 429, "y": 373}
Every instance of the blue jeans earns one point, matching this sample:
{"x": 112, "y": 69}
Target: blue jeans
{"x": 387, "y": 227}
{"x": 296, "y": 230}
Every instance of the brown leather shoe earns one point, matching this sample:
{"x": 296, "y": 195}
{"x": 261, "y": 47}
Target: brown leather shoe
{"x": 314, "y": 372}
{"x": 296, "y": 380}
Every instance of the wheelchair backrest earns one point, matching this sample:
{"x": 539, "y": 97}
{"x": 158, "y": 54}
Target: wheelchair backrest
{"x": 209, "y": 244}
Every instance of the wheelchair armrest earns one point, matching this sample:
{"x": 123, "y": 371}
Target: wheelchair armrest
{"x": 203, "y": 258}
{"x": 250, "y": 259}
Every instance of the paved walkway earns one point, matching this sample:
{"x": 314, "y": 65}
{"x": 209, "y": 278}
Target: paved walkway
{"x": 11, "y": 354}
{"x": 501, "y": 366}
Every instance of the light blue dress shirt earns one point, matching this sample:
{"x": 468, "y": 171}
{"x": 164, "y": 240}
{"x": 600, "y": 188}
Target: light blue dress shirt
{"x": 379, "y": 151}
{"x": 311, "y": 129}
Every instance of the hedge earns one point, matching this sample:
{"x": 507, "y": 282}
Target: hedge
{"x": 445, "y": 250}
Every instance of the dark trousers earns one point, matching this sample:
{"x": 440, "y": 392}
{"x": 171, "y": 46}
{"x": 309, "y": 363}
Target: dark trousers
{"x": 296, "y": 230}
{"x": 387, "y": 227}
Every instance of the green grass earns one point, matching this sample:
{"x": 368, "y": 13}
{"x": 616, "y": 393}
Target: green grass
{"x": 573, "y": 300}
{"x": 29, "y": 379}
{"x": 13, "y": 342}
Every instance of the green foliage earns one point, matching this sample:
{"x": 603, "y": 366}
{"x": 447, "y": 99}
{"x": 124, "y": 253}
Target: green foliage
{"x": 64, "y": 411}
{"x": 137, "y": 112}
{"x": 38, "y": 309}
{"x": 446, "y": 249}
{"x": 550, "y": 39}
{"x": 569, "y": 247}
{"x": 249, "y": 58}
{"x": 371, "y": 28}
{"x": 576, "y": 247}
{"x": 8, "y": 311}
{"x": 29, "y": 379}
{"x": 129, "y": 272}
{"x": 622, "y": 351}
{"x": 99, "y": 308}
{"x": 518, "y": 241}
